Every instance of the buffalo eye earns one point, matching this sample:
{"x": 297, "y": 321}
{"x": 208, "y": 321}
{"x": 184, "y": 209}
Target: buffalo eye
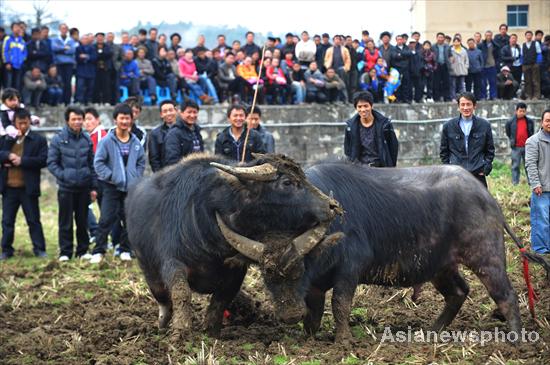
{"x": 287, "y": 182}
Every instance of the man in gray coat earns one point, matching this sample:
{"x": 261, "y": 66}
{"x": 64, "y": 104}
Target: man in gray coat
{"x": 253, "y": 118}
{"x": 119, "y": 163}
{"x": 537, "y": 162}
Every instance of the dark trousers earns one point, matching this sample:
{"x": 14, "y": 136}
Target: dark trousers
{"x": 481, "y": 178}
{"x": 474, "y": 81}
{"x": 103, "y": 86}
{"x": 13, "y": 78}
{"x": 73, "y": 204}
{"x": 403, "y": 92}
{"x": 353, "y": 77}
{"x": 65, "y": 70}
{"x": 11, "y": 200}
{"x": 416, "y": 88}
{"x": 84, "y": 90}
{"x": 531, "y": 73}
{"x": 489, "y": 79}
{"x": 517, "y": 72}
{"x": 112, "y": 210}
{"x": 427, "y": 83}
{"x": 441, "y": 83}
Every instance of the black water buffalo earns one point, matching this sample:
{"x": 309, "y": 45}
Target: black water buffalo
{"x": 402, "y": 227}
{"x": 174, "y": 219}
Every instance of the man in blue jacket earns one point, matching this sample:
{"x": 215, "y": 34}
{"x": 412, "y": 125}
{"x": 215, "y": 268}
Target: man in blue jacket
{"x": 71, "y": 161}
{"x": 22, "y": 158}
{"x": 64, "y": 49}
{"x": 14, "y": 53}
{"x": 119, "y": 163}
{"x": 85, "y": 70}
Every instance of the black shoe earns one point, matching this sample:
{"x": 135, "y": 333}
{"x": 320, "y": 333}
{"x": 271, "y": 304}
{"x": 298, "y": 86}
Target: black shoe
{"x": 4, "y": 256}
{"x": 41, "y": 254}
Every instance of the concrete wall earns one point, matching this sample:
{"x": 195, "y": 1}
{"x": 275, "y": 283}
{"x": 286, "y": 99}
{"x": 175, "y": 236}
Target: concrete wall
{"x": 309, "y": 133}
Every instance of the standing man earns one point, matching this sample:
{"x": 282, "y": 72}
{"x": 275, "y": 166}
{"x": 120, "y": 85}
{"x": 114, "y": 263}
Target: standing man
{"x": 338, "y": 58}
{"x": 92, "y": 125}
{"x": 537, "y": 162}
{"x": 230, "y": 141}
{"x": 86, "y": 58}
{"x": 400, "y": 59}
{"x": 305, "y": 50}
{"x": 510, "y": 55}
{"x": 120, "y": 163}
{"x": 502, "y": 38}
{"x": 518, "y": 129}
{"x": 14, "y": 54}
{"x": 531, "y": 70}
{"x": 467, "y": 140}
{"x": 185, "y": 137}
{"x": 64, "y": 49}
{"x": 253, "y": 119}
{"x": 490, "y": 52}
{"x": 157, "y": 137}
{"x": 71, "y": 161}
{"x": 370, "y": 138}
{"x": 22, "y": 158}
{"x": 441, "y": 76}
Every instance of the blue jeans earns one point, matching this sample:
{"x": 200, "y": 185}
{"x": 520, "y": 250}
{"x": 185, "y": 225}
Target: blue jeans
{"x": 489, "y": 77}
{"x": 299, "y": 92}
{"x": 55, "y": 94}
{"x": 540, "y": 222}
{"x": 196, "y": 90}
{"x": 518, "y": 154}
{"x": 84, "y": 90}
{"x": 207, "y": 84}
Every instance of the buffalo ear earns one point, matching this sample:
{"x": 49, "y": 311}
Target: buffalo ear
{"x": 328, "y": 242}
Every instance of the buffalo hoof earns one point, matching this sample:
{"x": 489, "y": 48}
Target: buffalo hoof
{"x": 497, "y": 314}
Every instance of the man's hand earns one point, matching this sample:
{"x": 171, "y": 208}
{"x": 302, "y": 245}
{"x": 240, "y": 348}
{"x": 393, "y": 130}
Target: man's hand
{"x": 14, "y": 159}
{"x": 481, "y": 173}
{"x": 8, "y": 66}
{"x": 538, "y": 190}
{"x": 93, "y": 195}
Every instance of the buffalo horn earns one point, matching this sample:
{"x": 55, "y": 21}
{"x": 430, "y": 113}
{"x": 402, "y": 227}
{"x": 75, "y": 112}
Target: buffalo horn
{"x": 308, "y": 240}
{"x": 249, "y": 248}
{"x": 264, "y": 172}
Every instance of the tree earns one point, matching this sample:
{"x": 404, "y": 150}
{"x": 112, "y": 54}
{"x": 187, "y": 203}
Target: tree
{"x": 41, "y": 13}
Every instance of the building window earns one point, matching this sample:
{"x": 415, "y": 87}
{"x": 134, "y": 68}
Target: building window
{"x": 517, "y": 15}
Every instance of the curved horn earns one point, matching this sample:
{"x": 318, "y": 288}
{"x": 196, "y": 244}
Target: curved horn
{"x": 308, "y": 240}
{"x": 249, "y": 248}
{"x": 264, "y": 172}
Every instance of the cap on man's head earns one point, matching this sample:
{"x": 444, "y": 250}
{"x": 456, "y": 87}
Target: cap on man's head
{"x": 505, "y": 68}
{"x": 289, "y": 35}
{"x": 271, "y": 39}
{"x": 325, "y": 35}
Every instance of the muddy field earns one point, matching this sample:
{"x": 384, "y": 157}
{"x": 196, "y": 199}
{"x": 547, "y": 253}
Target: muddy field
{"x": 75, "y": 313}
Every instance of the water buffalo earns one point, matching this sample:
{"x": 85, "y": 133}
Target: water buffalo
{"x": 174, "y": 218}
{"x": 402, "y": 227}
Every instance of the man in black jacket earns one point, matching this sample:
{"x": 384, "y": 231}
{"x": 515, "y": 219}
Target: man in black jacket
{"x": 71, "y": 161}
{"x": 518, "y": 129}
{"x": 157, "y": 137}
{"x": 22, "y": 159}
{"x": 531, "y": 70}
{"x": 370, "y": 138}
{"x": 467, "y": 140}
{"x": 163, "y": 73}
{"x": 230, "y": 141}
{"x": 510, "y": 55}
{"x": 400, "y": 59}
{"x": 185, "y": 137}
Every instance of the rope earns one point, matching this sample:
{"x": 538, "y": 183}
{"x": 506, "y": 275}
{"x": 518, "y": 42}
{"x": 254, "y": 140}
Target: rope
{"x": 253, "y": 103}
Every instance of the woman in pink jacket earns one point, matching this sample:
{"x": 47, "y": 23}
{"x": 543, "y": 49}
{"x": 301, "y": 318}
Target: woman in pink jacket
{"x": 188, "y": 71}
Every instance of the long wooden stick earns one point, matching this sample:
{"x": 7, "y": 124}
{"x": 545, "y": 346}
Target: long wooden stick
{"x": 253, "y": 103}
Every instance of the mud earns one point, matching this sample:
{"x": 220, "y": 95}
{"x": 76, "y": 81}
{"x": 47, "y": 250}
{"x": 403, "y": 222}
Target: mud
{"x": 96, "y": 321}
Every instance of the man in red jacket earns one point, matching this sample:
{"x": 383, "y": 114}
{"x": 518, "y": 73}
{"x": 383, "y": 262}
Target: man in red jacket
{"x": 518, "y": 129}
{"x": 93, "y": 126}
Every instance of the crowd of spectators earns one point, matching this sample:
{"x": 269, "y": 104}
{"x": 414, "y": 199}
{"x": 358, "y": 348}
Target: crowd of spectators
{"x": 295, "y": 70}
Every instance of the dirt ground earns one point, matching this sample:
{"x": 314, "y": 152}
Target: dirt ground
{"x": 75, "y": 313}
{"x": 94, "y": 321}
